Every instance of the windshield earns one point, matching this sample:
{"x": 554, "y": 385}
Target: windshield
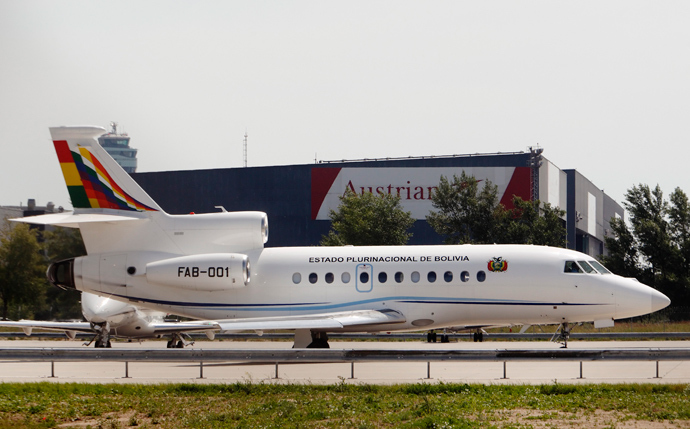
{"x": 572, "y": 267}
{"x": 602, "y": 269}
{"x": 588, "y": 268}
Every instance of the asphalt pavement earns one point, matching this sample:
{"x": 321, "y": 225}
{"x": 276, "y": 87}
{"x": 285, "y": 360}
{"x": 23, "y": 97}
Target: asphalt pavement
{"x": 537, "y": 372}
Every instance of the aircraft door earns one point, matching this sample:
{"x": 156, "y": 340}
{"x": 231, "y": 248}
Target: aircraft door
{"x": 364, "y": 278}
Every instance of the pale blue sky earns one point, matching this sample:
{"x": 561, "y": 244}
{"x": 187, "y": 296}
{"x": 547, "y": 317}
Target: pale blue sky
{"x": 603, "y": 87}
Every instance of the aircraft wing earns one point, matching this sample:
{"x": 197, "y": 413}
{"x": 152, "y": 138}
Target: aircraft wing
{"x": 170, "y": 327}
{"x": 69, "y": 328}
{"x": 335, "y": 320}
{"x": 473, "y": 327}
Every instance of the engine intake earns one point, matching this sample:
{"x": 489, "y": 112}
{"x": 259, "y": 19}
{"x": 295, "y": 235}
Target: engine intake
{"x": 61, "y": 274}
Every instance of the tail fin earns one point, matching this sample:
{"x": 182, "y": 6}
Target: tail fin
{"x": 94, "y": 180}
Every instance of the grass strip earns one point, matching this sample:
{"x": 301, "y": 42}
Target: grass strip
{"x": 265, "y": 405}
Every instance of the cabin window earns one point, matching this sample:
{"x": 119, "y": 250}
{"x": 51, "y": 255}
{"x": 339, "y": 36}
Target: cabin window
{"x": 481, "y": 276}
{"x": 329, "y": 278}
{"x": 572, "y": 267}
{"x": 399, "y": 277}
{"x": 585, "y": 266}
{"x": 602, "y": 269}
{"x": 313, "y": 278}
{"x": 448, "y": 276}
{"x": 383, "y": 277}
{"x": 431, "y": 276}
{"x": 414, "y": 276}
{"x": 364, "y": 277}
{"x": 345, "y": 277}
{"x": 465, "y": 276}
{"x": 296, "y": 278}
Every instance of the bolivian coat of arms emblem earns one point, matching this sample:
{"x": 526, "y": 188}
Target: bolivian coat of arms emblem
{"x": 497, "y": 265}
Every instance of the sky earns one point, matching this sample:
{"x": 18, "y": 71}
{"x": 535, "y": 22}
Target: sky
{"x": 602, "y": 86}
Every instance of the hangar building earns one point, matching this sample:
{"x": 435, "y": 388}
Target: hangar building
{"x": 297, "y": 198}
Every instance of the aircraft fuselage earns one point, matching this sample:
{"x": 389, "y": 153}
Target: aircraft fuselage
{"x": 433, "y": 286}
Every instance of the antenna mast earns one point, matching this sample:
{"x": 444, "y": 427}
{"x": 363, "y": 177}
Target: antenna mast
{"x": 245, "y": 147}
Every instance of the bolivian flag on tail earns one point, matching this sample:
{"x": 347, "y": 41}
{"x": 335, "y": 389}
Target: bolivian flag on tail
{"x": 89, "y": 184}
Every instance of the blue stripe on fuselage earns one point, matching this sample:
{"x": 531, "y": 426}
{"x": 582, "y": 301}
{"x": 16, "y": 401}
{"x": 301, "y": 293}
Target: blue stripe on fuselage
{"x": 312, "y": 306}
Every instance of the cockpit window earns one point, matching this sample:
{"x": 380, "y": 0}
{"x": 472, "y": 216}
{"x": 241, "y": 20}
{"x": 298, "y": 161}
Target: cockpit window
{"x": 572, "y": 267}
{"x": 602, "y": 269}
{"x": 588, "y": 268}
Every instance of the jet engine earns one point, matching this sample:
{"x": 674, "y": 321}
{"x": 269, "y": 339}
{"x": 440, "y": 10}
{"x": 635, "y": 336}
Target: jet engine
{"x": 203, "y": 272}
{"x": 208, "y": 272}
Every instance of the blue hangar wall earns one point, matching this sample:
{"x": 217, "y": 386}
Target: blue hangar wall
{"x": 297, "y": 197}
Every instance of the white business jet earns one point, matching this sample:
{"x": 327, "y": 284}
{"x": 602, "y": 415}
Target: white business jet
{"x": 106, "y": 318}
{"x": 198, "y": 266}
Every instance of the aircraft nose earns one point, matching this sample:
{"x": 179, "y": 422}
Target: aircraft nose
{"x": 659, "y": 300}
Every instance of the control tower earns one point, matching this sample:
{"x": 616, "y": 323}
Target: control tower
{"x": 117, "y": 145}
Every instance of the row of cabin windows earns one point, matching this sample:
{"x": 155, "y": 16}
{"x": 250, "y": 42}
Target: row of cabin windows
{"x": 383, "y": 277}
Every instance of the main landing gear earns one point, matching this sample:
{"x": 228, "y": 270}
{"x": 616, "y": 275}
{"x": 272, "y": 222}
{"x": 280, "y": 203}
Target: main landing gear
{"x": 307, "y": 339}
{"x": 178, "y": 342}
{"x": 431, "y": 337}
{"x": 102, "y": 337}
{"x": 478, "y": 336}
{"x": 319, "y": 340}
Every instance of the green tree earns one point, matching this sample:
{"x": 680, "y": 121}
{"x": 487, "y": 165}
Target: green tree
{"x": 368, "y": 220}
{"x": 63, "y": 243}
{"x": 647, "y": 211}
{"x": 464, "y": 213}
{"x": 531, "y": 222}
{"x": 655, "y": 246}
{"x": 22, "y": 268}
{"x": 623, "y": 257}
{"x": 59, "y": 244}
{"x": 679, "y": 222}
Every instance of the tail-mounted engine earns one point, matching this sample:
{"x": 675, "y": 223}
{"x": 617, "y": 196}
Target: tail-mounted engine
{"x": 111, "y": 273}
{"x": 207, "y": 272}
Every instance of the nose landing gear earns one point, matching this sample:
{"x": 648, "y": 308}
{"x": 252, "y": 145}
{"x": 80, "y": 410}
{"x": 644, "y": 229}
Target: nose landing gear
{"x": 562, "y": 335}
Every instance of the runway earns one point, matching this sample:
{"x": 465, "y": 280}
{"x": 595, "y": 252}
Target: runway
{"x": 538, "y": 372}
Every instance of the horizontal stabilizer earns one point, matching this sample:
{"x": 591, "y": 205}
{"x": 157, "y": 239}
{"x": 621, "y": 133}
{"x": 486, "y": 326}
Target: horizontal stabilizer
{"x": 314, "y": 321}
{"x": 71, "y": 220}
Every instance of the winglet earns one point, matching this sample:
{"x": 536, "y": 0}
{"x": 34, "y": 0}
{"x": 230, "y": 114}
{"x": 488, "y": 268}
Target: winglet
{"x": 93, "y": 178}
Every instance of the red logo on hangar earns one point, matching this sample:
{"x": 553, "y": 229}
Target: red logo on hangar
{"x": 497, "y": 265}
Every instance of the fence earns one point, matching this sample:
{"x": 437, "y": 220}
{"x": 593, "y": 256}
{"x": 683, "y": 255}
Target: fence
{"x": 306, "y": 356}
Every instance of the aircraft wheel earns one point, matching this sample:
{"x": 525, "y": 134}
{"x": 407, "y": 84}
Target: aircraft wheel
{"x": 108, "y": 345}
{"x": 474, "y": 336}
{"x": 319, "y": 344}
{"x": 445, "y": 339}
{"x": 179, "y": 345}
{"x": 170, "y": 344}
{"x": 480, "y": 337}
